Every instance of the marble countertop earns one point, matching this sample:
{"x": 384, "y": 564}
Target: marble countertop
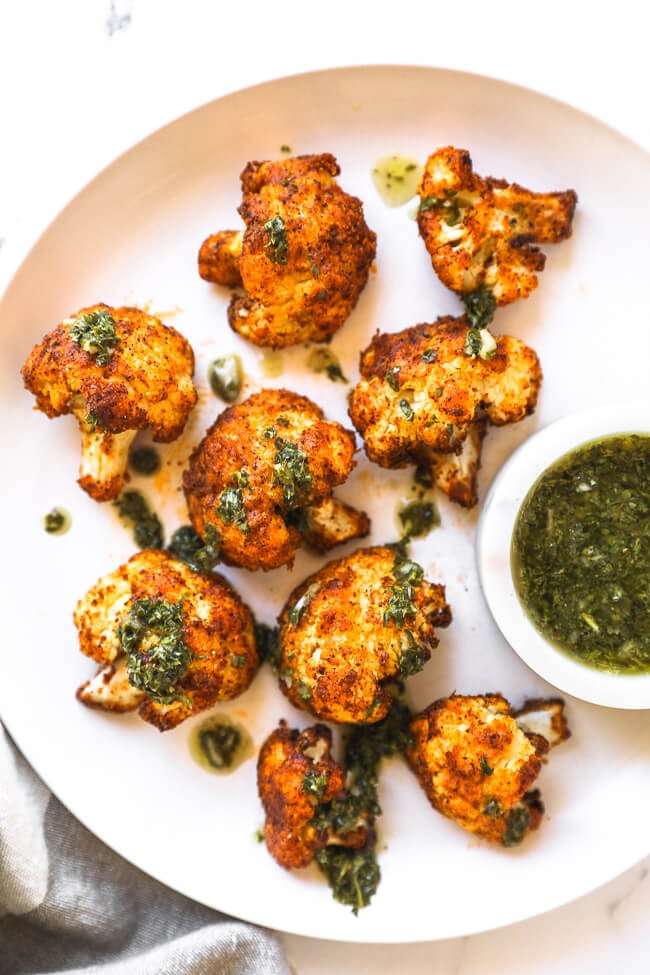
{"x": 84, "y": 79}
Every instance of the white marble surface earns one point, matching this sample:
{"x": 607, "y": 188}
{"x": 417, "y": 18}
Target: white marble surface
{"x": 81, "y": 80}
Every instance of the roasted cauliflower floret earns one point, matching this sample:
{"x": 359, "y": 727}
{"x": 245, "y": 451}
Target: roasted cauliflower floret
{"x": 303, "y": 259}
{"x": 172, "y": 642}
{"x": 296, "y": 775}
{"x": 262, "y": 478}
{"x": 424, "y": 398}
{"x": 477, "y": 760}
{"x": 352, "y": 630}
{"x": 481, "y": 233}
{"x": 118, "y": 370}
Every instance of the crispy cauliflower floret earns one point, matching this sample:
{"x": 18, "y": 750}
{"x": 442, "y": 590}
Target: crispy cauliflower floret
{"x": 303, "y": 259}
{"x": 353, "y": 629}
{"x": 476, "y": 763}
{"x": 481, "y": 233}
{"x": 262, "y": 477}
{"x": 296, "y": 774}
{"x": 424, "y": 399}
{"x": 118, "y": 370}
{"x": 171, "y": 642}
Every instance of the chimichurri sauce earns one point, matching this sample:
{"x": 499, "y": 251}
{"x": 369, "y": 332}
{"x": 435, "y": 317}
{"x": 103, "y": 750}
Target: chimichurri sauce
{"x": 581, "y": 553}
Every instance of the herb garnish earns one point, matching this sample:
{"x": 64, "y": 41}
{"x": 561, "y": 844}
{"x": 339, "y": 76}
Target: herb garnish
{"x": 492, "y": 809}
{"x": 418, "y": 518}
{"x": 146, "y": 525}
{"x": 278, "y": 245}
{"x": 231, "y": 507}
{"x": 392, "y": 378}
{"x": 412, "y": 656}
{"x": 314, "y": 783}
{"x": 157, "y": 656}
{"x": 354, "y": 875}
{"x": 266, "y": 643}
{"x": 484, "y": 765}
{"x": 480, "y": 306}
{"x": 452, "y": 212}
{"x": 517, "y": 825}
{"x": 291, "y": 470}
{"x": 481, "y": 343}
{"x": 408, "y": 576}
{"x": 95, "y": 333}
{"x": 201, "y": 554}
{"x": 429, "y": 355}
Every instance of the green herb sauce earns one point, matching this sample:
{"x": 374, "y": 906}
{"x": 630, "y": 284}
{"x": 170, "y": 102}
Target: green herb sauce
{"x": 147, "y": 528}
{"x": 396, "y": 179}
{"x": 144, "y": 460}
{"x": 581, "y": 551}
{"x": 56, "y": 522}
{"x": 226, "y": 377}
{"x": 322, "y": 359}
{"x": 95, "y": 333}
{"x": 220, "y": 744}
{"x": 201, "y": 554}
{"x": 157, "y": 657}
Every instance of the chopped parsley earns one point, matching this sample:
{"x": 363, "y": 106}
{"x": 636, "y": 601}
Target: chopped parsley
{"x": 481, "y": 343}
{"x": 314, "y": 784}
{"x": 517, "y": 825}
{"x": 95, "y": 333}
{"x": 354, "y": 875}
{"x": 321, "y": 359}
{"x": 201, "y": 554}
{"x": 147, "y": 528}
{"x": 408, "y": 576}
{"x": 418, "y": 518}
{"x": 266, "y": 643}
{"x": 429, "y": 355}
{"x": 392, "y": 378}
{"x": 231, "y": 507}
{"x": 291, "y": 471}
{"x": 157, "y": 657}
{"x": 485, "y": 767}
{"x": 480, "y": 306}
{"x": 278, "y": 245}
{"x": 412, "y": 657}
{"x": 492, "y": 809}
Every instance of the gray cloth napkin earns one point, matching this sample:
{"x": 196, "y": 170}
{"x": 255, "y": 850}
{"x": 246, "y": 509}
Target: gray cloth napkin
{"x": 68, "y": 903}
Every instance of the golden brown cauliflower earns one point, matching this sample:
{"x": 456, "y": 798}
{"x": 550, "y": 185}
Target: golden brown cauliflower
{"x": 476, "y": 760}
{"x": 353, "y": 629}
{"x": 263, "y": 475}
{"x": 481, "y": 232}
{"x": 118, "y": 370}
{"x": 171, "y": 642}
{"x": 296, "y": 774}
{"x": 303, "y": 259}
{"x": 423, "y": 398}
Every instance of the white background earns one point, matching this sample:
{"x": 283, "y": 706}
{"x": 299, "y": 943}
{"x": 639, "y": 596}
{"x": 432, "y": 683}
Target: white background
{"x": 81, "y": 80}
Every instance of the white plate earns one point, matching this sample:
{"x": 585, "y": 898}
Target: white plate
{"x": 132, "y": 236}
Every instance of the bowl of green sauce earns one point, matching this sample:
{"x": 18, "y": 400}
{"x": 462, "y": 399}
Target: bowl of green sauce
{"x": 563, "y": 552}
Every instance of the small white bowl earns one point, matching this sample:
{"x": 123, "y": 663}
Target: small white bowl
{"x": 494, "y": 536}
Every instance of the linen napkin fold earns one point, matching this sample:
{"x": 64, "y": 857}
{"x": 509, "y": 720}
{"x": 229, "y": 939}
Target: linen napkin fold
{"x": 68, "y": 903}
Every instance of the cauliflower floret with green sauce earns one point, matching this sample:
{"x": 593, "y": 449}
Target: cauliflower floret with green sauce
{"x": 118, "y": 370}
{"x": 353, "y": 630}
{"x": 303, "y": 259}
{"x": 262, "y": 477}
{"x": 482, "y": 233}
{"x": 477, "y": 759}
{"x": 425, "y": 397}
{"x": 171, "y": 641}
